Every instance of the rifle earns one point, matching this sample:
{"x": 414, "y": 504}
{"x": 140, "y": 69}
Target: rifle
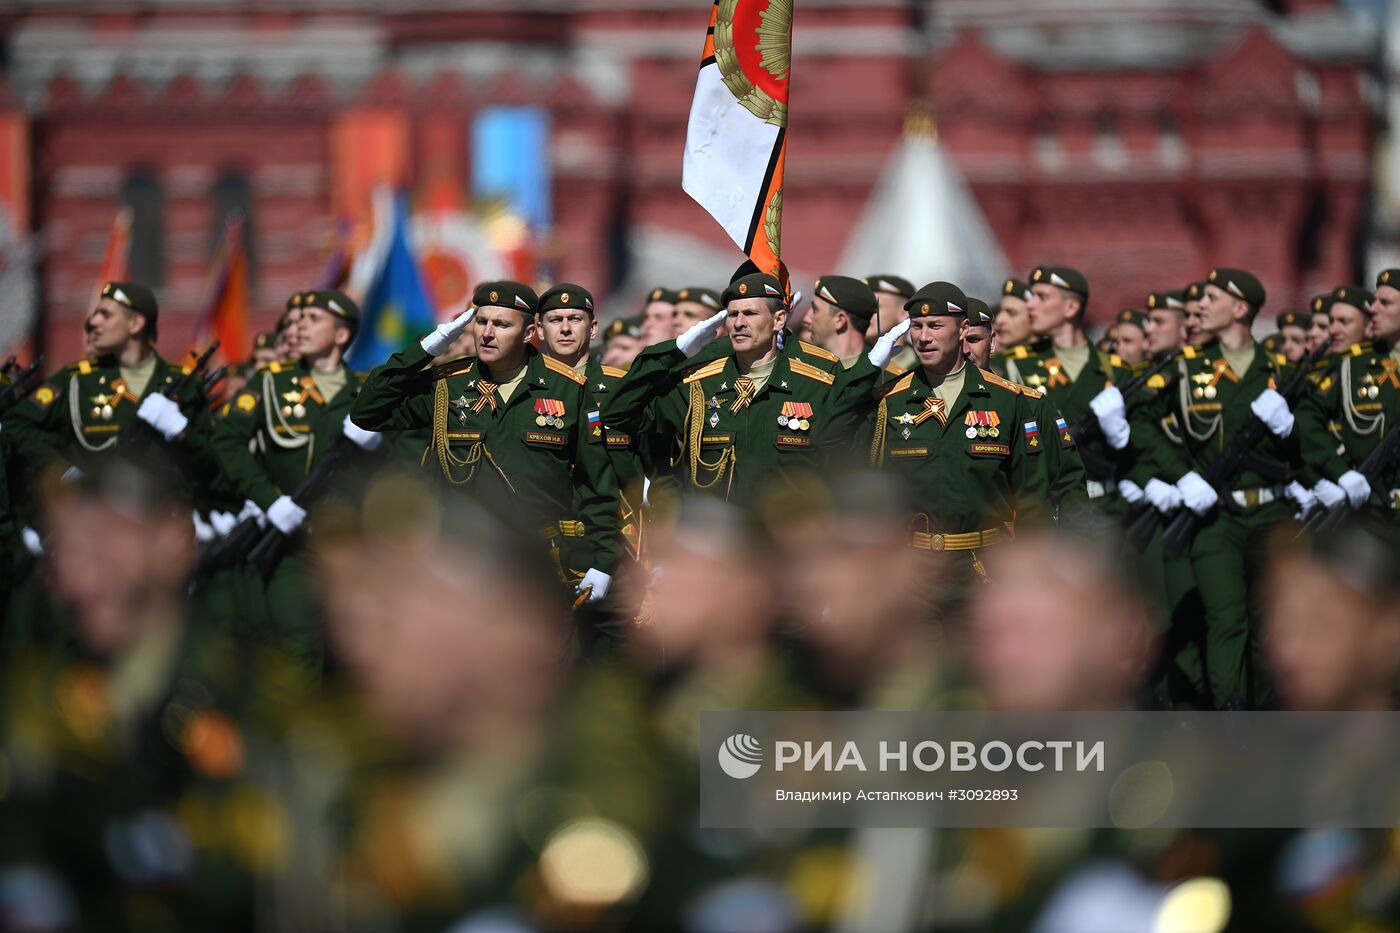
{"x": 1086, "y": 426}
{"x": 1224, "y": 468}
{"x": 1375, "y": 468}
{"x": 12, "y": 393}
{"x": 273, "y": 544}
{"x": 8, "y": 365}
{"x": 138, "y": 432}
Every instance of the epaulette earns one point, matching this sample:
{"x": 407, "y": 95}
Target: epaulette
{"x": 1189, "y": 352}
{"x": 613, "y": 372}
{"x": 454, "y": 367}
{"x": 899, "y": 385}
{"x": 1027, "y": 390}
{"x": 1359, "y": 349}
{"x": 83, "y": 367}
{"x": 1282, "y": 360}
{"x": 996, "y": 380}
{"x": 1020, "y": 352}
{"x": 1156, "y": 381}
{"x": 274, "y": 367}
{"x": 711, "y": 368}
{"x": 1115, "y": 360}
{"x": 564, "y": 369}
{"x": 811, "y": 349}
{"x": 894, "y": 370}
{"x": 1324, "y": 384}
{"x": 186, "y": 369}
{"x": 800, "y": 368}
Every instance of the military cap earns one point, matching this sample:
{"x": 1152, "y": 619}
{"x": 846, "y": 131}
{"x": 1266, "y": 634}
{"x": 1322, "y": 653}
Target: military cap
{"x": 1353, "y": 295}
{"x": 1133, "y": 317}
{"x": 1321, "y": 304}
{"x": 293, "y": 300}
{"x": 1239, "y": 283}
{"x": 506, "y": 294}
{"x": 849, "y": 294}
{"x": 138, "y": 298}
{"x": 264, "y": 340}
{"x": 668, "y": 295}
{"x": 1389, "y": 277}
{"x": 937, "y": 299}
{"x": 705, "y": 296}
{"x": 1194, "y": 291}
{"x": 1294, "y": 319}
{"x": 1171, "y": 301}
{"x": 1015, "y": 288}
{"x": 978, "y": 314}
{"x": 623, "y": 326}
{"x": 1272, "y": 342}
{"x": 567, "y": 295}
{"x": 753, "y": 285}
{"x": 337, "y": 303}
{"x": 890, "y": 285}
{"x": 1061, "y": 277}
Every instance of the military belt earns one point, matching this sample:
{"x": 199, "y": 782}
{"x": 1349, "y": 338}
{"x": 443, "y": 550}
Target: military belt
{"x": 564, "y": 528}
{"x": 970, "y": 541}
{"x": 1256, "y": 496}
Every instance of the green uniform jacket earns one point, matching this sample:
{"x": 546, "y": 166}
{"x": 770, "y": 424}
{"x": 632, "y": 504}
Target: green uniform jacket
{"x": 1361, "y": 400}
{"x": 683, "y": 405}
{"x": 551, "y": 475}
{"x": 274, "y": 431}
{"x": 1200, "y": 409}
{"x": 966, "y": 484}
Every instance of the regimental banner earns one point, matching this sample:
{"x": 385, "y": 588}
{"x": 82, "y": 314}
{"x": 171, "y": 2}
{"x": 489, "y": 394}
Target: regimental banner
{"x": 736, "y": 140}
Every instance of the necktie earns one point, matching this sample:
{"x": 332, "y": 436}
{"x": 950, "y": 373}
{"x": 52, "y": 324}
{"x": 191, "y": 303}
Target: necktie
{"x": 743, "y": 386}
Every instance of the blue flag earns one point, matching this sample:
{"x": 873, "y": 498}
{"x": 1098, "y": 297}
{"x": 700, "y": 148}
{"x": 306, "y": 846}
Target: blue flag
{"x": 397, "y": 310}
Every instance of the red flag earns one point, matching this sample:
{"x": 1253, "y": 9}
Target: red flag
{"x": 116, "y": 260}
{"x": 225, "y": 315}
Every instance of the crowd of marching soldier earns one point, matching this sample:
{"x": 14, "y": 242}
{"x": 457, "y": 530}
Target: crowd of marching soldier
{"x": 289, "y": 646}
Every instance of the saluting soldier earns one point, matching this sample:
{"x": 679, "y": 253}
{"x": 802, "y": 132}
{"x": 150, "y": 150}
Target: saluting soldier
{"x": 1212, "y": 391}
{"x": 892, "y": 292}
{"x": 841, "y": 311}
{"x": 511, "y": 427}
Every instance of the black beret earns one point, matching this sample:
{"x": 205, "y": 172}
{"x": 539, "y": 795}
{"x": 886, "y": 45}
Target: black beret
{"x": 978, "y": 314}
{"x": 890, "y": 285}
{"x": 1295, "y": 319}
{"x": 1321, "y": 304}
{"x": 668, "y": 295}
{"x": 567, "y": 295}
{"x": 294, "y": 300}
{"x": 1015, "y": 288}
{"x": 704, "y": 296}
{"x": 1171, "y": 301}
{"x": 1389, "y": 277}
{"x": 506, "y": 294}
{"x": 623, "y": 326}
{"x": 138, "y": 298}
{"x": 264, "y": 341}
{"x": 1194, "y": 291}
{"x": 850, "y": 295}
{"x": 1239, "y": 283}
{"x": 1271, "y": 342}
{"x": 1061, "y": 277}
{"x": 753, "y": 285}
{"x": 937, "y": 299}
{"x": 1353, "y": 295}
{"x": 334, "y": 302}
{"x": 1133, "y": 317}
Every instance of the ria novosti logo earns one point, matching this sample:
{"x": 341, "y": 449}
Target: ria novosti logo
{"x": 740, "y": 756}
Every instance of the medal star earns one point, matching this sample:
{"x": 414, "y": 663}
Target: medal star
{"x": 602, "y": 387}
{"x": 783, "y": 384}
{"x": 461, "y": 401}
{"x": 905, "y": 418}
{"x": 541, "y": 380}
{"x": 101, "y": 398}
{"x": 723, "y": 386}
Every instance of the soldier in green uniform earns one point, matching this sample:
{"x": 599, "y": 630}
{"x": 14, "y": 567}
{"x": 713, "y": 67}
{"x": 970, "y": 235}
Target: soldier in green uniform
{"x": 841, "y": 312}
{"x": 892, "y": 292}
{"x": 1212, "y": 392}
{"x": 659, "y": 316}
{"x": 1362, "y": 397}
{"x": 693, "y": 305}
{"x": 1293, "y": 335}
{"x": 1130, "y": 336}
{"x": 1076, "y": 377}
{"x": 622, "y": 341}
{"x": 511, "y": 427}
{"x": 1320, "y": 329}
{"x": 1165, "y": 326}
{"x": 1191, "y": 304}
{"x": 1346, "y": 316}
{"x": 274, "y": 432}
{"x": 751, "y": 410}
{"x": 1012, "y": 320}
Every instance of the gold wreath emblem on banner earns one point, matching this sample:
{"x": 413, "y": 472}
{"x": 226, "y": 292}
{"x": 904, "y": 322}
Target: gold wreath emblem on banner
{"x": 775, "y": 50}
{"x": 773, "y": 222}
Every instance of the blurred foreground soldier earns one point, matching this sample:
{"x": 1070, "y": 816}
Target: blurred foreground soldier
{"x": 659, "y": 316}
{"x": 1320, "y": 325}
{"x": 287, "y": 333}
{"x": 842, "y": 308}
{"x": 274, "y": 432}
{"x": 1192, "y": 294}
{"x": 512, "y": 428}
{"x": 1346, "y": 316}
{"x": 128, "y": 752}
{"x": 1164, "y": 329}
{"x": 1293, "y": 335}
{"x": 693, "y": 305}
{"x": 264, "y": 349}
{"x": 1012, "y": 320}
{"x": 622, "y": 341}
{"x": 1130, "y": 336}
{"x": 892, "y": 292}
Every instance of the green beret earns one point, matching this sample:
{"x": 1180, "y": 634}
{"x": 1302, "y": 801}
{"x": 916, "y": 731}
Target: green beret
{"x": 1171, "y": 301}
{"x": 1353, "y": 295}
{"x": 138, "y": 298}
{"x": 623, "y": 327}
{"x": 705, "y": 296}
{"x": 1294, "y": 319}
{"x": 1071, "y": 280}
{"x": 668, "y": 295}
{"x": 1238, "y": 283}
{"x": 1321, "y": 304}
{"x": 264, "y": 340}
{"x": 293, "y": 300}
{"x": 850, "y": 295}
{"x": 753, "y": 285}
{"x": 1194, "y": 291}
{"x": 506, "y": 294}
{"x": 334, "y": 302}
{"x": 890, "y": 285}
{"x": 1015, "y": 288}
{"x": 937, "y": 299}
{"x": 1133, "y": 317}
{"x": 1389, "y": 277}
{"x": 567, "y": 295}
{"x": 1272, "y": 342}
{"x": 978, "y": 314}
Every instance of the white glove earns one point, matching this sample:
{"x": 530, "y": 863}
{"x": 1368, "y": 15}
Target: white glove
{"x": 1196, "y": 493}
{"x": 251, "y": 510}
{"x": 203, "y": 533}
{"x": 222, "y": 523}
{"x": 1112, "y": 413}
{"x": 365, "y": 440}
{"x": 164, "y": 415}
{"x": 285, "y": 515}
{"x": 1164, "y": 496}
{"x": 597, "y": 581}
{"x": 1272, "y": 409}
{"x": 71, "y": 475}
{"x": 1299, "y": 494}
{"x": 1329, "y": 493}
{"x": 1131, "y": 491}
{"x": 883, "y": 351}
{"x": 697, "y": 335}
{"x": 33, "y": 542}
{"x": 1356, "y": 487}
{"x": 446, "y": 334}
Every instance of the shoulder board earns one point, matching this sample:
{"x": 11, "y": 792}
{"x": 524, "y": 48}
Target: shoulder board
{"x": 706, "y": 371}
{"x": 1020, "y": 353}
{"x": 894, "y": 370}
{"x": 1359, "y": 349}
{"x": 1281, "y": 360}
{"x": 275, "y": 367}
{"x": 1027, "y": 390}
{"x": 1189, "y": 352}
{"x": 800, "y": 368}
{"x": 899, "y": 385}
{"x": 84, "y": 367}
{"x": 1324, "y": 384}
{"x": 454, "y": 367}
{"x": 564, "y": 369}
{"x": 996, "y": 380}
{"x": 613, "y": 372}
{"x": 811, "y": 349}
{"x": 1115, "y": 360}
{"x": 186, "y": 369}
{"x": 1156, "y": 381}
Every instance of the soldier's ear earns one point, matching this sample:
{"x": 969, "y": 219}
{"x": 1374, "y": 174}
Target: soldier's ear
{"x": 780, "y": 317}
{"x": 343, "y": 336}
{"x": 592, "y": 328}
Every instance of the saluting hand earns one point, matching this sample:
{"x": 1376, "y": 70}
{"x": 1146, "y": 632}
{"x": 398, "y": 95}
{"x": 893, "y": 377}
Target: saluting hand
{"x": 698, "y": 335}
{"x": 445, "y": 335}
{"x": 883, "y": 351}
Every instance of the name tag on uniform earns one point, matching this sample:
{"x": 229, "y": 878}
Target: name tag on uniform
{"x": 618, "y": 439}
{"x": 544, "y": 437}
{"x": 716, "y": 438}
{"x": 794, "y": 440}
{"x": 464, "y": 435}
{"x": 897, "y": 453}
{"x": 999, "y": 450}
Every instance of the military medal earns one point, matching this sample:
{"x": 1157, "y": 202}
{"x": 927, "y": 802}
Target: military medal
{"x": 714, "y": 419}
{"x": 905, "y": 433}
{"x": 981, "y": 424}
{"x": 550, "y": 412}
{"x": 782, "y": 421}
{"x": 795, "y": 415}
{"x": 970, "y": 433}
{"x": 1210, "y": 392}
